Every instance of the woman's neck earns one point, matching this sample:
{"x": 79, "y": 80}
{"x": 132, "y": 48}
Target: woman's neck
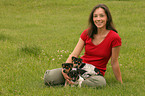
{"x": 102, "y": 31}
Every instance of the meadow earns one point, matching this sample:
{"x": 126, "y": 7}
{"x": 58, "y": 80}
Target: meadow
{"x": 37, "y": 35}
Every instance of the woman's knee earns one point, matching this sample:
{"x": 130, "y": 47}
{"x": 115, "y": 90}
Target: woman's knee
{"x": 94, "y": 81}
{"x": 53, "y": 77}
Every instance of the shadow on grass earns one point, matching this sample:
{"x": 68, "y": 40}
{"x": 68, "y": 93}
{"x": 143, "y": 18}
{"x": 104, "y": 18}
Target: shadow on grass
{"x": 4, "y": 37}
{"x": 30, "y": 50}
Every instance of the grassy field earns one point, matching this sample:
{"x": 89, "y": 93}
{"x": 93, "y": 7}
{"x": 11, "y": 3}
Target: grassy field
{"x": 36, "y": 35}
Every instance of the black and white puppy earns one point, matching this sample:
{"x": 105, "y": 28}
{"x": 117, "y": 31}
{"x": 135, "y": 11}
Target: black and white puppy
{"x": 87, "y": 70}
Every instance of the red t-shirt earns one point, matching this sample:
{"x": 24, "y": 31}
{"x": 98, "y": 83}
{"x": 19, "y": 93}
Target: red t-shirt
{"x": 99, "y": 55}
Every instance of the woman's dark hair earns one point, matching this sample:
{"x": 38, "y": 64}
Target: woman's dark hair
{"x": 109, "y": 24}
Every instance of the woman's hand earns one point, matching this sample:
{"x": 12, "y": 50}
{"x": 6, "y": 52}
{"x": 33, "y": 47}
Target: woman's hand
{"x": 115, "y": 63}
{"x": 67, "y": 78}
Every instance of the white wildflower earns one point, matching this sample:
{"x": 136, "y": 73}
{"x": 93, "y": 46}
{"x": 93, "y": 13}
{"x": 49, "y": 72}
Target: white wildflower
{"x": 61, "y": 50}
{"x": 53, "y": 59}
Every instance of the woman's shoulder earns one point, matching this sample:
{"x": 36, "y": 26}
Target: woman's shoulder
{"x": 115, "y": 39}
{"x": 84, "y": 34}
{"x": 113, "y": 34}
{"x": 85, "y": 31}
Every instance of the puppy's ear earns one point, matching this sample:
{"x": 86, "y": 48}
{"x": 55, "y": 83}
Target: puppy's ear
{"x": 81, "y": 59}
{"x": 63, "y": 65}
{"x": 73, "y": 58}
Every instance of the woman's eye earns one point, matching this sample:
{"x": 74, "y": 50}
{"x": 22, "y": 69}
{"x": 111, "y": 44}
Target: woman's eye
{"x": 95, "y": 16}
{"x": 101, "y": 15}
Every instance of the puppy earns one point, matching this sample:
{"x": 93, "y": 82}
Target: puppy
{"x": 76, "y": 78}
{"x": 87, "y": 70}
{"x": 67, "y": 67}
{"x": 76, "y": 62}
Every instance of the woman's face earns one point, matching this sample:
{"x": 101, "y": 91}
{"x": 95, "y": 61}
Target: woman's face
{"x": 100, "y": 18}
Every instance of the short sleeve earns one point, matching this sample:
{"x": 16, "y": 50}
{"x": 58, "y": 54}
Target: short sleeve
{"x": 84, "y": 35}
{"x": 116, "y": 41}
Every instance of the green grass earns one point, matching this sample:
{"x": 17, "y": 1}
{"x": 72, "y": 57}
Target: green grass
{"x": 36, "y": 35}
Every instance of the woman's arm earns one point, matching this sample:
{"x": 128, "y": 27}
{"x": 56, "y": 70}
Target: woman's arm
{"x": 115, "y": 63}
{"x": 77, "y": 50}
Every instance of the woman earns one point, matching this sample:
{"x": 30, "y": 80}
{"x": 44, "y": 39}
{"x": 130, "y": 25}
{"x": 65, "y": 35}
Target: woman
{"x": 101, "y": 42}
